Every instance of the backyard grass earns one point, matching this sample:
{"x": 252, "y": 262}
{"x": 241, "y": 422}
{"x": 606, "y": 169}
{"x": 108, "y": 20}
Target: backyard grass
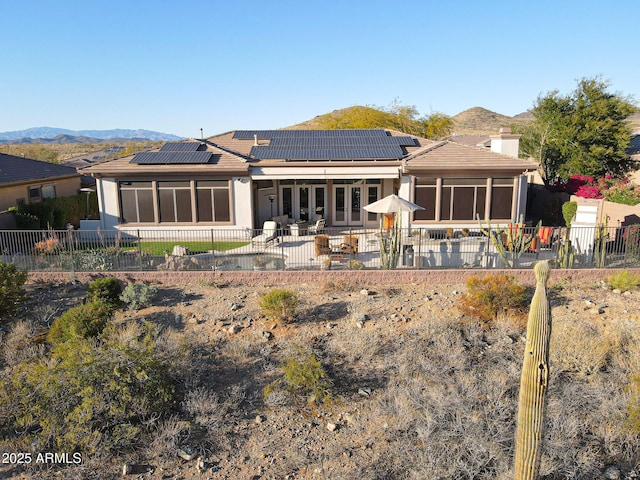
{"x": 158, "y": 248}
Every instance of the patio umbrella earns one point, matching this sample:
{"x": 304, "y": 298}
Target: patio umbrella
{"x": 392, "y": 204}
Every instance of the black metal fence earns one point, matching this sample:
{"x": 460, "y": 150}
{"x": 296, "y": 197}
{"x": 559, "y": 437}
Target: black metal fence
{"x": 244, "y": 249}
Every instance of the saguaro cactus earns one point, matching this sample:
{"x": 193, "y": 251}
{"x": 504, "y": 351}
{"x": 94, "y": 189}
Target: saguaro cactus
{"x": 534, "y": 380}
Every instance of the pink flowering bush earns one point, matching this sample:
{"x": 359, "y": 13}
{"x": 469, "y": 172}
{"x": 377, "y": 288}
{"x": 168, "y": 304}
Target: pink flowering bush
{"x": 613, "y": 189}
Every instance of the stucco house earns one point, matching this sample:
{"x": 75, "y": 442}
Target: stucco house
{"x": 240, "y": 179}
{"x": 23, "y": 181}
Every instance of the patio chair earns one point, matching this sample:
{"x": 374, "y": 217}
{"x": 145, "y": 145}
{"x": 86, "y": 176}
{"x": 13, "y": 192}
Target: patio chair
{"x": 269, "y": 234}
{"x": 350, "y": 244}
{"x": 322, "y": 246}
{"x": 317, "y": 227}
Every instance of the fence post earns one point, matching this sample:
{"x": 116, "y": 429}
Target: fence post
{"x": 139, "y": 250}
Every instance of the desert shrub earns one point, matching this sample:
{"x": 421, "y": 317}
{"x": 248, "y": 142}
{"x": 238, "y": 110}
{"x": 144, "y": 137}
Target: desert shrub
{"x": 107, "y": 290}
{"x": 91, "y": 395}
{"x": 11, "y": 288}
{"x": 279, "y": 304}
{"x": 354, "y": 264}
{"x": 623, "y": 280}
{"x": 208, "y": 408}
{"x": 303, "y": 374}
{"x": 634, "y": 405}
{"x": 569, "y": 210}
{"x": 492, "y": 294}
{"x": 21, "y": 343}
{"x": 138, "y": 295}
{"x": 83, "y": 321}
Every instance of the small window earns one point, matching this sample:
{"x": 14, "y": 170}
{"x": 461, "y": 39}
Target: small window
{"x": 48, "y": 191}
{"x": 34, "y": 193}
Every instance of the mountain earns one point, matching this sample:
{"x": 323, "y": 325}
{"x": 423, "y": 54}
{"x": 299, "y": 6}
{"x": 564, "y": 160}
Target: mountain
{"x": 480, "y": 121}
{"x": 474, "y": 121}
{"x": 59, "y": 135}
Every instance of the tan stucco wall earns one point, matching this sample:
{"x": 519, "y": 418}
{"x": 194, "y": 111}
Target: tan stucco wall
{"x": 10, "y": 194}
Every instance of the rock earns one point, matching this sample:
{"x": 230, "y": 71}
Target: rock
{"x": 332, "y": 427}
{"x": 233, "y": 329}
{"x": 361, "y": 317}
{"x": 259, "y": 419}
{"x": 589, "y": 303}
{"x": 234, "y": 306}
{"x": 617, "y": 290}
{"x": 177, "y": 319}
{"x": 612, "y": 473}
{"x": 360, "y": 324}
{"x": 364, "y": 292}
{"x": 266, "y": 335}
{"x": 185, "y": 454}
{"x": 627, "y": 293}
{"x": 597, "y": 311}
{"x": 200, "y": 464}
{"x": 364, "y": 391}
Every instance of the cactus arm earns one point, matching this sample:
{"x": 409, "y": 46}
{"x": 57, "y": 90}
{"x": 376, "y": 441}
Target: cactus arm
{"x": 534, "y": 380}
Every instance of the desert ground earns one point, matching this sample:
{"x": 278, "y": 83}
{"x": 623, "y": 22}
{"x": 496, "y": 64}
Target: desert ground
{"x": 418, "y": 389}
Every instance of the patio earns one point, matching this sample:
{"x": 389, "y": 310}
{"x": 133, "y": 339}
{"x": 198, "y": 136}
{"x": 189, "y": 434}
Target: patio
{"x": 341, "y": 249}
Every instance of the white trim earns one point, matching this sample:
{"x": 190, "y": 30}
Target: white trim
{"x": 323, "y": 173}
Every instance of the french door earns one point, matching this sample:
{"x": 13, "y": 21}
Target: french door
{"x": 348, "y": 200}
{"x": 303, "y": 202}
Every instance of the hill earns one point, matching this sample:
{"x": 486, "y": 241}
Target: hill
{"x": 480, "y": 121}
{"x": 61, "y": 135}
{"x": 474, "y": 121}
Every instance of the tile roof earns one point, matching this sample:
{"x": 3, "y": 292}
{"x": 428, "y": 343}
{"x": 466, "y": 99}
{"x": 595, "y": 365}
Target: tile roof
{"x": 221, "y": 161}
{"x": 447, "y": 155}
{"x": 19, "y": 170}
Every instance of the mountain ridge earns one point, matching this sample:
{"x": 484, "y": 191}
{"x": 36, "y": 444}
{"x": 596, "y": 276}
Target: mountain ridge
{"x": 54, "y": 135}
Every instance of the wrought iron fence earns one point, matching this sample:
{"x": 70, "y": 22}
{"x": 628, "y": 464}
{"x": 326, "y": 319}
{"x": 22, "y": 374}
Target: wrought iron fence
{"x": 245, "y": 249}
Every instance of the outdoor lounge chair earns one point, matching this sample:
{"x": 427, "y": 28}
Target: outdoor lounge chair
{"x": 269, "y": 234}
{"x": 317, "y": 227}
{"x": 322, "y": 246}
{"x": 350, "y": 244}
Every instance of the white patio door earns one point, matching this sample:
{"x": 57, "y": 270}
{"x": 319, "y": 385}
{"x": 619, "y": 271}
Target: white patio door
{"x": 302, "y": 202}
{"x": 347, "y": 205}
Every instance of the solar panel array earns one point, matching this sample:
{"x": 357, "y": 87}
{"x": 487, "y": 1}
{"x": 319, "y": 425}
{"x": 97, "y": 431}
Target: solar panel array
{"x": 271, "y": 134}
{"x": 171, "y": 158}
{"x": 183, "y": 147}
{"x": 357, "y": 144}
{"x": 176, "y": 153}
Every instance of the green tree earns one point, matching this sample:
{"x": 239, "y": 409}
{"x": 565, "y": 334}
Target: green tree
{"x": 583, "y": 133}
{"x": 403, "y": 118}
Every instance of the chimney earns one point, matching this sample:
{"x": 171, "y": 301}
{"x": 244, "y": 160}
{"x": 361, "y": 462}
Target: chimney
{"x": 505, "y": 142}
{"x": 255, "y": 139}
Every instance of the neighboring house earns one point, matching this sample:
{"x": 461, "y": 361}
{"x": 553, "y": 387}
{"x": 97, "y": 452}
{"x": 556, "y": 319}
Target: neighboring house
{"x": 23, "y": 180}
{"x": 242, "y": 178}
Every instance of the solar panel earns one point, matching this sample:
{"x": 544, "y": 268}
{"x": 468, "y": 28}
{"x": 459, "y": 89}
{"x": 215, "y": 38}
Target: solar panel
{"x": 352, "y": 144}
{"x": 405, "y": 141}
{"x": 271, "y": 134}
{"x": 170, "y": 158}
{"x": 329, "y": 153}
{"x": 183, "y": 147}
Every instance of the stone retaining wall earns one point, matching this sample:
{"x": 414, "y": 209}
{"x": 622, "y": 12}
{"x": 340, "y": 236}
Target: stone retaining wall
{"x": 369, "y": 277}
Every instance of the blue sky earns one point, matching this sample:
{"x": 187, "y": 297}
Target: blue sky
{"x": 177, "y": 67}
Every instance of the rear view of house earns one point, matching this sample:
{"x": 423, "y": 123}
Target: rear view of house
{"x": 241, "y": 179}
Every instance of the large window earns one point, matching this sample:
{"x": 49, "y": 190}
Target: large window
{"x": 425, "y": 196}
{"x": 175, "y": 201}
{"x": 501, "y": 198}
{"x": 462, "y": 199}
{"x": 136, "y": 202}
{"x": 213, "y": 201}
